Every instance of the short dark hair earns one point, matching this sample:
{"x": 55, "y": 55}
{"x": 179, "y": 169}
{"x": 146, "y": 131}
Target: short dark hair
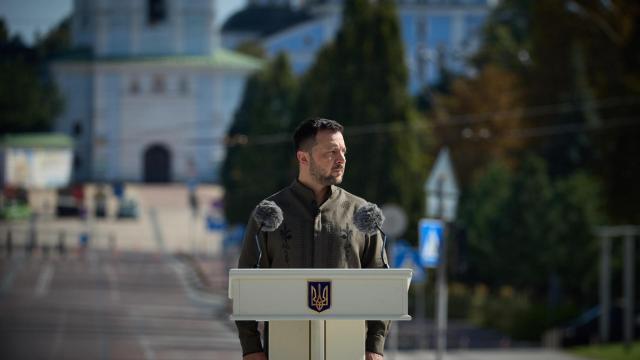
{"x": 305, "y": 134}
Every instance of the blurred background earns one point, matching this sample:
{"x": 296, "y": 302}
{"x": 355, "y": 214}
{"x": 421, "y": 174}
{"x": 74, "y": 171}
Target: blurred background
{"x": 138, "y": 135}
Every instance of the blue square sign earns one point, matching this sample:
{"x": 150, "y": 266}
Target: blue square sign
{"x": 430, "y": 235}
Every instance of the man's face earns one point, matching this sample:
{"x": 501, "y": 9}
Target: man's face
{"x": 327, "y": 158}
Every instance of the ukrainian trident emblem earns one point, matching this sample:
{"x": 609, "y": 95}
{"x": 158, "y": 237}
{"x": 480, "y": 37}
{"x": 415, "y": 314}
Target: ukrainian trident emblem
{"x": 319, "y": 295}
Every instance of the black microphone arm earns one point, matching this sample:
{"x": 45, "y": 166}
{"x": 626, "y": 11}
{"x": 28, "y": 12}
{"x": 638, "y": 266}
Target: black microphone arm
{"x": 257, "y": 265}
{"x": 384, "y": 248}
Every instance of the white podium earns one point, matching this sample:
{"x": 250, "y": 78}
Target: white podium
{"x": 318, "y": 314}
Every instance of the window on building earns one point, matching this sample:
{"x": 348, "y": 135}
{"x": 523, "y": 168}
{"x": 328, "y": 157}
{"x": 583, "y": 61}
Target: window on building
{"x": 134, "y": 87}
{"x": 77, "y": 128}
{"x": 77, "y": 161}
{"x": 421, "y": 29}
{"x": 156, "y": 11}
{"x": 183, "y": 86}
{"x": 159, "y": 85}
{"x": 82, "y": 12}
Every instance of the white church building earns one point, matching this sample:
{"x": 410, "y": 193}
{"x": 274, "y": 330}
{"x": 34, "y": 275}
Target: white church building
{"x": 149, "y": 93}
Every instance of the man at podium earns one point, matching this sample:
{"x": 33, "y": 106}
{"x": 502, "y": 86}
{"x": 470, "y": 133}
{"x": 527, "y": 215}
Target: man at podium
{"x": 316, "y": 228}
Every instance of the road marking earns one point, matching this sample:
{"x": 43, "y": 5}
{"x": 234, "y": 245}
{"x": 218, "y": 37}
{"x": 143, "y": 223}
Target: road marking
{"x": 44, "y": 281}
{"x": 8, "y": 279}
{"x": 157, "y": 231}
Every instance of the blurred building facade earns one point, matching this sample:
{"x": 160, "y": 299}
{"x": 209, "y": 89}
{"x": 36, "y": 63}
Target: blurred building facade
{"x": 149, "y": 93}
{"x": 436, "y": 33}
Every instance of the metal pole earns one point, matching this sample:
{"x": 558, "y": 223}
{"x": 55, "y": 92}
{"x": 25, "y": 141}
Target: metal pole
{"x": 394, "y": 326}
{"x": 9, "y": 243}
{"x": 421, "y": 334}
{"x": 605, "y": 287}
{"x": 441, "y": 326}
{"x": 629, "y": 267}
{"x": 441, "y": 281}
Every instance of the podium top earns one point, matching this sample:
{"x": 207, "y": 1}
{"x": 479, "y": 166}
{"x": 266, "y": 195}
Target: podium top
{"x": 297, "y": 294}
{"x": 342, "y": 273}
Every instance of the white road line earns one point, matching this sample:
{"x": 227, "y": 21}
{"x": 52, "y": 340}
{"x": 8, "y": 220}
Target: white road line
{"x": 10, "y": 276}
{"x": 44, "y": 281}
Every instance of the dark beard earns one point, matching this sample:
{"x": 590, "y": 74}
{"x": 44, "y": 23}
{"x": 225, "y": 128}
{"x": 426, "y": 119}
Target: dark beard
{"x": 325, "y": 180}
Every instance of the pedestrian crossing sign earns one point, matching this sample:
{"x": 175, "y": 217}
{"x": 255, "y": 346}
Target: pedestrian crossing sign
{"x": 405, "y": 256}
{"x": 430, "y": 235}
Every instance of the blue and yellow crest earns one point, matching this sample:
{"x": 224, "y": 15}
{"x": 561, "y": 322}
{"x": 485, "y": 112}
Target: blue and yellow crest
{"x": 319, "y": 295}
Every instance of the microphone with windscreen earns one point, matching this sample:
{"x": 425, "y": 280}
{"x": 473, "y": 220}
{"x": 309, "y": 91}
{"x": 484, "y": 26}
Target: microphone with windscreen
{"x": 268, "y": 216}
{"x": 368, "y": 219}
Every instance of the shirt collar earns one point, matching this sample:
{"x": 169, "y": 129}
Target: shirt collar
{"x": 308, "y": 196}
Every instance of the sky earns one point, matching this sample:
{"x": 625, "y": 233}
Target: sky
{"x": 28, "y": 17}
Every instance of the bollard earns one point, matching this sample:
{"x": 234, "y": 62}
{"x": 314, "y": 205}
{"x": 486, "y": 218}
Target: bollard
{"x": 32, "y": 243}
{"x": 112, "y": 243}
{"x": 9, "y": 243}
{"x": 61, "y": 247}
{"x": 30, "y": 246}
{"x": 83, "y": 244}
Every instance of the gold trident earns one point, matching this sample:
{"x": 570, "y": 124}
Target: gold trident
{"x": 319, "y": 301}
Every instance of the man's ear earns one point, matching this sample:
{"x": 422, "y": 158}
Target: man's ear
{"x": 303, "y": 157}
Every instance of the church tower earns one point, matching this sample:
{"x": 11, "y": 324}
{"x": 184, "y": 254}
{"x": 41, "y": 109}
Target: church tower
{"x": 149, "y": 93}
{"x": 145, "y": 27}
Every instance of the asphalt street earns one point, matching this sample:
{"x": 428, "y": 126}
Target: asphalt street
{"x": 105, "y": 306}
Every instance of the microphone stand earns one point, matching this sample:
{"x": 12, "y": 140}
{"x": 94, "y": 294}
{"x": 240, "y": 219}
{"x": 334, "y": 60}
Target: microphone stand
{"x": 384, "y": 248}
{"x": 257, "y": 266}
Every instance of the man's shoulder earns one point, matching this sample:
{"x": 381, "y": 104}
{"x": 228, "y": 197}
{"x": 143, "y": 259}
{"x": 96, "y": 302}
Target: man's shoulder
{"x": 356, "y": 200}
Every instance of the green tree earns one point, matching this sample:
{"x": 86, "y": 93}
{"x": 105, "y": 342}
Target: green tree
{"x": 576, "y": 208}
{"x": 482, "y": 208}
{"x": 527, "y": 231}
{"x": 29, "y": 101}
{"x": 576, "y": 70}
{"x": 56, "y": 42}
{"x": 580, "y": 60}
{"x": 530, "y": 243}
{"x": 360, "y": 80}
{"x": 258, "y": 162}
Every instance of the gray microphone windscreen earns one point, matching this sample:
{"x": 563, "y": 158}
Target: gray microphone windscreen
{"x": 268, "y": 215}
{"x": 368, "y": 218}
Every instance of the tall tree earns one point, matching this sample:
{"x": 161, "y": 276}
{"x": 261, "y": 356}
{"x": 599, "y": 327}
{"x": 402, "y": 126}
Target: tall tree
{"x": 361, "y": 81}
{"x": 56, "y": 42}
{"x": 258, "y": 159}
{"x": 528, "y": 231}
{"x": 479, "y": 120}
{"x": 576, "y": 66}
{"x": 29, "y": 100}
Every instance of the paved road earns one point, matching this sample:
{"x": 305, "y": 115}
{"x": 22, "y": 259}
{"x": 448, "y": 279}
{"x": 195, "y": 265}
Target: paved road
{"x": 103, "y": 306}
{"x": 522, "y": 354}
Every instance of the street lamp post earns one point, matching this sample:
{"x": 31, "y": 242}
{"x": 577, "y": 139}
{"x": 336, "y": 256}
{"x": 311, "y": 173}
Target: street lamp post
{"x": 442, "y": 200}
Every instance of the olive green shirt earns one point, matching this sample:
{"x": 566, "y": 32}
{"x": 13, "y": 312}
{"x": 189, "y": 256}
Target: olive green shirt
{"x": 312, "y": 236}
